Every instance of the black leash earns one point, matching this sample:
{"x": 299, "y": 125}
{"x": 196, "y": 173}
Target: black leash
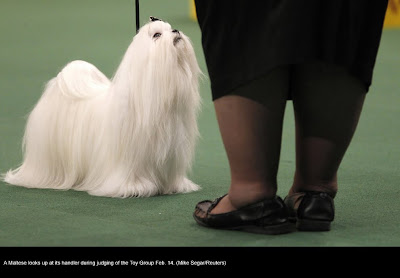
{"x": 137, "y": 16}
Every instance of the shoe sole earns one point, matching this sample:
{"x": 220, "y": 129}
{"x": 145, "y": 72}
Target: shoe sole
{"x": 313, "y": 225}
{"x": 284, "y": 228}
{"x": 268, "y": 230}
{"x": 307, "y": 225}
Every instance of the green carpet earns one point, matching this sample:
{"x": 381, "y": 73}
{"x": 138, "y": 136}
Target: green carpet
{"x": 39, "y": 37}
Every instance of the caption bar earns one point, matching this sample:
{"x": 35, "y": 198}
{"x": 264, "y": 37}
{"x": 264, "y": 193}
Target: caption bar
{"x": 106, "y": 263}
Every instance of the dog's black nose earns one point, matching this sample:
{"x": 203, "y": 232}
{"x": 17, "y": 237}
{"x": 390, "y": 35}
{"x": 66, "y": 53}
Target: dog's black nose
{"x": 176, "y": 31}
{"x": 152, "y": 18}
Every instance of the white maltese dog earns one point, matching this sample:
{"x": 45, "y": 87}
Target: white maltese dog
{"x": 131, "y": 136}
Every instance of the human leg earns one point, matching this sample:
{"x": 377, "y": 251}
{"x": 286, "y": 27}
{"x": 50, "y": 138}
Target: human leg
{"x": 327, "y": 104}
{"x": 250, "y": 121}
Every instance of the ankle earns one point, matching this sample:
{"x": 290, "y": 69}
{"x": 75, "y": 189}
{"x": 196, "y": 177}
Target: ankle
{"x": 237, "y": 199}
{"x": 244, "y": 194}
{"x": 330, "y": 188}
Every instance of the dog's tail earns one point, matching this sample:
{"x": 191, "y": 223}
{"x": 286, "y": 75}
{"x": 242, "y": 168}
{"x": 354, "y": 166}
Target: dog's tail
{"x": 63, "y": 130}
{"x": 82, "y": 80}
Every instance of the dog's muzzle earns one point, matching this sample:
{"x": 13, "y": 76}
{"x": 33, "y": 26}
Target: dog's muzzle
{"x": 177, "y": 39}
{"x": 178, "y": 36}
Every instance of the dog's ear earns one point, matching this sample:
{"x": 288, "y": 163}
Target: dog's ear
{"x": 152, "y": 18}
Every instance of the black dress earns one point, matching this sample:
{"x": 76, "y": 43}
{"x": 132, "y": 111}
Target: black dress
{"x": 244, "y": 39}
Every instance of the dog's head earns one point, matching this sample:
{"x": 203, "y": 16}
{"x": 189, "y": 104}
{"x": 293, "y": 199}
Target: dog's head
{"x": 160, "y": 65}
{"x": 161, "y": 30}
{"x": 157, "y": 42}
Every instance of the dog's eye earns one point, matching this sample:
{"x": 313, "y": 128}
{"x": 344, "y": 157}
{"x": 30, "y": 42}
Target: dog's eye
{"x": 156, "y": 35}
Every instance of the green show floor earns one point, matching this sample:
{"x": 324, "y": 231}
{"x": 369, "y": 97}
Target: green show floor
{"x": 39, "y": 37}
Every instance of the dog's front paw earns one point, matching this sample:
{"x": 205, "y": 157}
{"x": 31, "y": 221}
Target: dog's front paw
{"x": 184, "y": 186}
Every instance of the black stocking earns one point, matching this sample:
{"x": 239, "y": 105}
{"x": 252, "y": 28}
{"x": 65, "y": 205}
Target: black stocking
{"x": 327, "y": 103}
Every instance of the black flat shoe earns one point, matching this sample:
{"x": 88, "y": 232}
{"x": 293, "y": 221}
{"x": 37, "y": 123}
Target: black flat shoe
{"x": 311, "y": 211}
{"x": 269, "y": 216}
